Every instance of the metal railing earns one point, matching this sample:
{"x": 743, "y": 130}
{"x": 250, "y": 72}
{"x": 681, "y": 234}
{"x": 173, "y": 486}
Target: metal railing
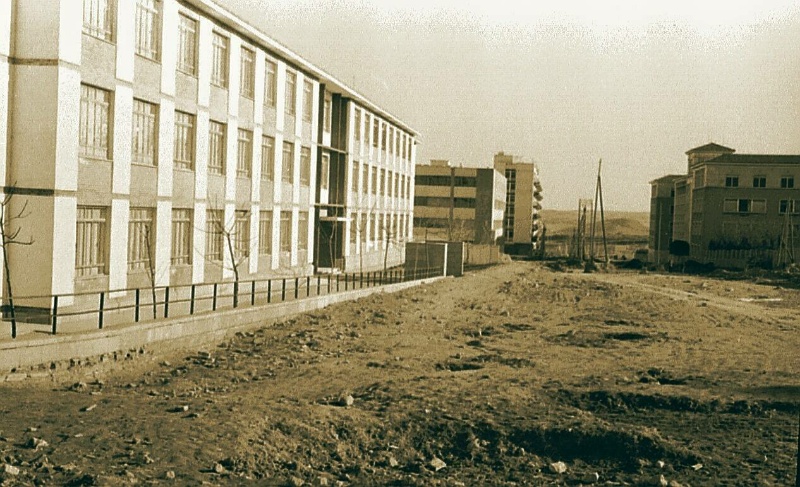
{"x": 130, "y": 305}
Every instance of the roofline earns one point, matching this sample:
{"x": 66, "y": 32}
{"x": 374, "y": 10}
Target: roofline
{"x": 697, "y": 149}
{"x": 668, "y": 177}
{"x": 210, "y": 7}
{"x": 723, "y": 159}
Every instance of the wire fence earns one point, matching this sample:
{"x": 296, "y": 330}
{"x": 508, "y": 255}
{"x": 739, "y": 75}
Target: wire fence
{"x": 134, "y": 305}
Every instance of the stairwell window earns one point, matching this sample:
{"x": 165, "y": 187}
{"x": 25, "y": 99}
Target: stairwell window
{"x": 287, "y": 171}
{"x": 302, "y": 229}
{"x": 241, "y": 234}
{"x": 95, "y": 123}
{"x": 244, "y": 161}
{"x": 140, "y": 239}
{"x": 187, "y": 45}
{"x": 308, "y": 100}
{"x": 148, "y": 29}
{"x": 265, "y": 232}
{"x": 91, "y": 243}
{"x": 98, "y": 19}
{"x": 214, "y": 226}
{"x": 286, "y": 231}
{"x": 145, "y": 132}
{"x": 271, "y": 83}
{"x": 305, "y": 166}
{"x": 291, "y": 92}
{"x": 267, "y": 158}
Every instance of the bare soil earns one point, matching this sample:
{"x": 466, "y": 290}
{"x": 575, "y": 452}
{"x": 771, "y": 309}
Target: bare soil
{"x": 490, "y": 379}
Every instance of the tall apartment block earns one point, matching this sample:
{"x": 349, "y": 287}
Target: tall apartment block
{"x": 523, "y": 227}
{"x": 726, "y": 201}
{"x": 173, "y": 135}
{"x": 459, "y": 203}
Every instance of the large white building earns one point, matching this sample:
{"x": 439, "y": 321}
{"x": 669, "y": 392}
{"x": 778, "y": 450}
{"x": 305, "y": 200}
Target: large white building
{"x": 142, "y": 133}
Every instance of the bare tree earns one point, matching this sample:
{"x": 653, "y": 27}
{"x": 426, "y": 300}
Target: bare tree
{"x": 9, "y": 233}
{"x": 151, "y": 269}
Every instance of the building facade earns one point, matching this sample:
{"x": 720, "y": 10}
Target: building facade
{"x": 173, "y": 141}
{"x": 459, "y": 203}
{"x": 662, "y": 211}
{"x": 729, "y": 201}
{"x": 523, "y": 227}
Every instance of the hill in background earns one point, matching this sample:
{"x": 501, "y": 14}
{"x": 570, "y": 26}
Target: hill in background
{"x": 619, "y": 224}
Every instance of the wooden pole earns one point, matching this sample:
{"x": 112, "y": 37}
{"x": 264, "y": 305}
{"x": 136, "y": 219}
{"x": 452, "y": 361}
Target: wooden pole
{"x": 602, "y": 214}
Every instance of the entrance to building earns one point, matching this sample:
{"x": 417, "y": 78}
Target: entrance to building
{"x": 330, "y": 251}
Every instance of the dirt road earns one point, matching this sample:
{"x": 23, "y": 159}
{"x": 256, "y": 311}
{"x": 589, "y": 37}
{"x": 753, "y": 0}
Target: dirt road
{"x": 490, "y": 379}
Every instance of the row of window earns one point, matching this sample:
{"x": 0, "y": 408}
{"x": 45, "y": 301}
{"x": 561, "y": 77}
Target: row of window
{"x": 459, "y": 181}
{"x": 92, "y": 237}
{"x": 384, "y": 134}
{"x": 759, "y": 206}
{"x": 444, "y": 202}
{"x": 378, "y": 227}
{"x": 380, "y": 178}
{"x": 95, "y": 134}
{"x": 786, "y": 182}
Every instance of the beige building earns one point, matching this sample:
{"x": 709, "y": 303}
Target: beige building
{"x": 459, "y": 203}
{"x": 523, "y": 228}
{"x": 728, "y": 201}
{"x": 148, "y": 133}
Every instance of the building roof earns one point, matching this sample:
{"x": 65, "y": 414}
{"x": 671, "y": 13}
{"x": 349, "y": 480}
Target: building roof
{"x": 216, "y": 10}
{"x": 759, "y": 159}
{"x": 669, "y": 178}
{"x": 710, "y": 147}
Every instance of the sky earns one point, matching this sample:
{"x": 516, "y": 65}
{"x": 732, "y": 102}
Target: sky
{"x": 563, "y": 83}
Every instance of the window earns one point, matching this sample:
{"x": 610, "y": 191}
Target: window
{"x": 145, "y": 132}
{"x": 375, "y": 132}
{"x": 216, "y": 148}
{"x": 244, "y": 161}
{"x": 271, "y": 83}
{"x": 353, "y": 233}
{"x": 385, "y": 136}
{"x": 308, "y": 100}
{"x": 287, "y": 172}
{"x": 305, "y": 166}
{"x": 357, "y": 124}
{"x": 364, "y": 178}
{"x": 291, "y": 92}
{"x": 248, "y": 73}
{"x": 787, "y": 182}
{"x": 759, "y": 182}
{"x": 214, "y": 235}
{"x": 265, "y": 232}
{"x": 326, "y": 114}
{"x": 354, "y": 178}
{"x": 362, "y": 227}
{"x": 286, "y": 231}
{"x": 731, "y": 181}
{"x": 148, "y": 28}
{"x": 184, "y": 140}
{"x": 140, "y": 239}
{"x": 187, "y": 45}
{"x": 324, "y": 170}
{"x": 267, "y": 158}
{"x": 374, "y": 180}
{"x": 181, "y": 237}
{"x": 220, "y": 60}
{"x": 91, "y": 241}
{"x": 790, "y": 206}
{"x": 241, "y": 234}
{"x": 95, "y": 127}
{"x": 98, "y": 19}
{"x": 744, "y": 206}
{"x": 302, "y": 229}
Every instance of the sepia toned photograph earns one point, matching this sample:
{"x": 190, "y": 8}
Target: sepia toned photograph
{"x": 399, "y": 243}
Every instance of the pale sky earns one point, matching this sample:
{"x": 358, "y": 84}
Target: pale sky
{"x": 564, "y": 83}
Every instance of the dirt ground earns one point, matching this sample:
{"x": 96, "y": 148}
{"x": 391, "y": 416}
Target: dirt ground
{"x": 490, "y": 379}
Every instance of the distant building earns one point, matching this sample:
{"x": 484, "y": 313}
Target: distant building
{"x": 726, "y": 201}
{"x": 523, "y": 227}
{"x": 458, "y": 203}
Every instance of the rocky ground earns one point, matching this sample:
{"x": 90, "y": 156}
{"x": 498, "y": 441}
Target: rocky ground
{"x": 514, "y": 375}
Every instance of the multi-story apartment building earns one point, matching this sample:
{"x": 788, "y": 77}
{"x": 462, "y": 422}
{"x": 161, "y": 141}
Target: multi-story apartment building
{"x": 662, "y": 210}
{"x": 523, "y": 227}
{"x": 173, "y": 137}
{"x": 459, "y": 203}
{"x": 728, "y": 200}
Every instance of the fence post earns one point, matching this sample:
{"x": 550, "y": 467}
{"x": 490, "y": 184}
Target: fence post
{"x": 329, "y": 283}
{"x": 361, "y": 280}
{"x": 337, "y": 281}
{"x": 102, "y": 305}
{"x": 253, "y": 293}
{"x": 269, "y": 291}
{"x": 191, "y": 301}
{"x": 166, "y": 302}
{"x": 345, "y": 283}
{"x": 136, "y": 306}
{"x": 318, "y": 284}
{"x": 296, "y": 287}
{"x": 283, "y": 290}
{"x": 235, "y": 294}
{"x": 308, "y": 286}
{"x": 214, "y": 299}
{"x": 55, "y": 313}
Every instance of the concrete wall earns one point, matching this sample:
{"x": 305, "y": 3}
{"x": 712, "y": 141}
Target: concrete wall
{"x": 425, "y": 255}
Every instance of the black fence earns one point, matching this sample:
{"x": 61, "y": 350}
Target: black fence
{"x": 134, "y": 305}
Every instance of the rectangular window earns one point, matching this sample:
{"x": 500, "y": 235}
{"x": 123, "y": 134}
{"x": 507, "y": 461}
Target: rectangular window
{"x": 374, "y": 180}
{"x": 94, "y": 125}
{"x": 219, "y": 60}
{"x": 324, "y": 170}
{"x": 181, "y": 253}
{"x": 98, "y": 19}
{"x": 265, "y": 232}
{"x": 244, "y": 160}
{"x": 91, "y": 241}
{"x": 271, "y": 83}
{"x": 148, "y": 28}
{"x": 305, "y": 166}
{"x": 308, "y": 100}
{"x": 787, "y": 182}
{"x": 248, "y": 73}
{"x": 286, "y": 231}
{"x": 141, "y": 239}
{"x": 791, "y": 206}
{"x": 759, "y": 182}
{"x": 291, "y": 92}
{"x": 214, "y": 235}
{"x": 385, "y": 136}
{"x": 184, "y": 140}
{"x": 730, "y": 206}
{"x": 267, "y": 158}
{"x": 145, "y": 132}
{"x": 354, "y": 177}
{"x": 187, "y": 45}
{"x": 216, "y": 148}
{"x": 327, "y": 114}
{"x": 353, "y": 233}
{"x": 287, "y": 172}
{"x": 302, "y": 230}
{"x": 375, "y": 132}
{"x": 241, "y": 234}
{"x": 731, "y": 181}
{"x": 758, "y": 206}
{"x": 364, "y": 178}
{"x": 357, "y": 124}
{"x": 362, "y": 227}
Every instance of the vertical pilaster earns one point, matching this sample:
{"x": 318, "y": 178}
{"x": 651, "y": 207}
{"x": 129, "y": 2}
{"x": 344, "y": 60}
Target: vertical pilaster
{"x": 123, "y": 123}
{"x": 126, "y": 37}
{"x": 163, "y": 243}
{"x": 166, "y": 143}
{"x": 118, "y": 251}
{"x": 169, "y": 47}
{"x": 199, "y": 242}
{"x": 254, "y": 219}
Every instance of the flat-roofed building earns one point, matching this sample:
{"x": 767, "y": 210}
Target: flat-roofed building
{"x": 523, "y": 227}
